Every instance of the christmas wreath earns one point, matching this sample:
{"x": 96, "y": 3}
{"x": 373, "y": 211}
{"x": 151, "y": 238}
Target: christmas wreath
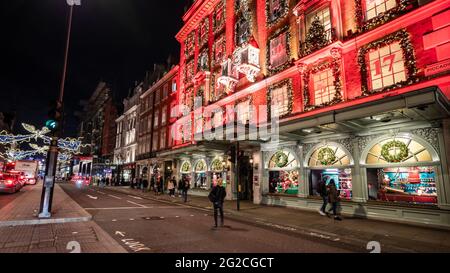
{"x": 401, "y": 153}
{"x": 281, "y": 159}
{"x": 327, "y": 156}
{"x": 185, "y": 168}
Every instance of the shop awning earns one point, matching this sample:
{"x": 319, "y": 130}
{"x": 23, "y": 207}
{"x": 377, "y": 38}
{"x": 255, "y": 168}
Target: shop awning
{"x": 424, "y": 106}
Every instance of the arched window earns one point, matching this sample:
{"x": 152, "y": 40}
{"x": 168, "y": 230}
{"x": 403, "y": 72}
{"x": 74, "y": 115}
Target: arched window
{"x": 201, "y": 166}
{"x": 283, "y": 159}
{"x": 329, "y": 155}
{"x": 186, "y": 167}
{"x": 398, "y": 150}
{"x": 216, "y": 165}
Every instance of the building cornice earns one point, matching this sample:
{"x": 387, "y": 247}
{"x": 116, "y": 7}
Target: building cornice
{"x": 194, "y": 15}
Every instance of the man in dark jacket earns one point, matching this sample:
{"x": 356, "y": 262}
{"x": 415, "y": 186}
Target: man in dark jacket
{"x": 217, "y": 197}
{"x": 322, "y": 190}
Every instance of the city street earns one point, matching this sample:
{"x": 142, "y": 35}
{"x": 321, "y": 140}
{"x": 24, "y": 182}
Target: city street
{"x": 148, "y": 226}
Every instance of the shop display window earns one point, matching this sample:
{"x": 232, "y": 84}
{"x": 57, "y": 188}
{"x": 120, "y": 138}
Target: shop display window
{"x": 342, "y": 178}
{"x": 283, "y": 182}
{"x": 415, "y": 185}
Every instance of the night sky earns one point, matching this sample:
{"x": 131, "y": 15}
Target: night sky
{"x": 112, "y": 40}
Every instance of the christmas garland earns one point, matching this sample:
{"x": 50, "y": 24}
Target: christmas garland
{"x": 280, "y": 159}
{"x": 288, "y": 63}
{"x": 336, "y": 69}
{"x": 201, "y": 166}
{"x": 401, "y": 8}
{"x": 398, "y": 157}
{"x": 327, "y": 156}
{"x": 270, "y": 23}
{"x": 287, "y": 82}
{"x": 409, "y": 59}
{"x": 217, "y": 166}
{"x": 185, "y": 168}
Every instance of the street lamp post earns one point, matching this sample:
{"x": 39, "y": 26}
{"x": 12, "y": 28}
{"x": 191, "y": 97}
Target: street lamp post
{"x": 52, "y": 155}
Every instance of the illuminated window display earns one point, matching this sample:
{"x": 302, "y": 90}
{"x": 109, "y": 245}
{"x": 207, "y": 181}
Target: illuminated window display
{"x": 342, "y": 178}
{"x": 200, "y": 175}
{"x": 410, "y": 185}
{"x": 396, "y": 183}
{"x": 283, "y": 176}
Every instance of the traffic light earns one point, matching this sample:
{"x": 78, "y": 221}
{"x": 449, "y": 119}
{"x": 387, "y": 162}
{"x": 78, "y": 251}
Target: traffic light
{"x": 54, "y": 116}
{"x": 231, "y": 153}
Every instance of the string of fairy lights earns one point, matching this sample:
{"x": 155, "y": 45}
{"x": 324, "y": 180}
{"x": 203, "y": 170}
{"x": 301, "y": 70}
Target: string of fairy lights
{"x": 68, "y": 146}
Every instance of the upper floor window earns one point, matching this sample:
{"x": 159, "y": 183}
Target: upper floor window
{"x": 280, "y": 99}
{"x": 174, "y": 85}
{"x": 165, "y": 91}
{"x": 243, "y": 112}
{"x": 164, "y": 115}
{"x": 155, "y": 141}
{"x": 323, "y": 84}
{"x": 156, "y": 122}
{"x": 278, "y": 50}
{"x": 324, "y": 17}
{"x": 163, "y": 139}
{"x": 387, "y": 66}
{"x": 376, "y": 7}
{"x": 276, "y": 9}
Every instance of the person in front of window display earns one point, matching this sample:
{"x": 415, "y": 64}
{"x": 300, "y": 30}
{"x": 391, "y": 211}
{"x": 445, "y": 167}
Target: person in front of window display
{"x": 333, "y": 198}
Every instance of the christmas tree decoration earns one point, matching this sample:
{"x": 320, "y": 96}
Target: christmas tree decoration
{"x": 409, "y": 58}
{"x": 316, "y": 37}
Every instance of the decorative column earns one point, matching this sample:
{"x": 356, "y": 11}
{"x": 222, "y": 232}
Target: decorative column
{"x": 258, "y": 169}
{"x": 359, "y": 185}
{"x": 303, "y": 178}
{"x": 443, "y": 183}
{"x": 302, "y": 68}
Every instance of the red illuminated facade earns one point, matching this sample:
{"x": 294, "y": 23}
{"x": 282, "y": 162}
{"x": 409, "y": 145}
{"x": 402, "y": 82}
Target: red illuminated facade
{"x": 361, "y": 90}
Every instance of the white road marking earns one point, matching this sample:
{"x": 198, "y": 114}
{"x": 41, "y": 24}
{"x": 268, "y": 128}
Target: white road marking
{"x": 121, "y": 233}
{"x": 101, "y": 192}
{"x": 92, "y": 197}
{"x": 114, "y": 220}
{"x": 135, "y": 197}
{"x": 113, "y": 196}
{"x": 131, "y": 219}
{"x": 142, "y": 206}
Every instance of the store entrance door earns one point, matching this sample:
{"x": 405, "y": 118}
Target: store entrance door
{"x": 246, "y": 179}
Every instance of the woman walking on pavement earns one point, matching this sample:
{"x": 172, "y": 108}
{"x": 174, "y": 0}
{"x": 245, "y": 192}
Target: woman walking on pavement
{"x": 217, "y": 197}
{"x": 171, "y": 188}
{"x": 333, "y": 198}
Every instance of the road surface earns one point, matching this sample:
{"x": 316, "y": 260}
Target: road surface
{"x": 149, "y": 226}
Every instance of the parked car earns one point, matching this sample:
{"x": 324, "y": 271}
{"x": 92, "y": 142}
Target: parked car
{"x": 9, "y": 183}
{"x": 21, "y": 177}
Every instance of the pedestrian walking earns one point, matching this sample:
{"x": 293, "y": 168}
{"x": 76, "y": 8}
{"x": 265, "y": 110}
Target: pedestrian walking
{"x": 186, "y": 186}
{"x": 144, "y": 185}
{"x": 333, "y": 198}
{"x": 171, "y": 188}
{"x": 217, "y": 197}
{"x": 322, "y": 190}
{"x": 180, "y": 187}
{"x": 162, "y": 187}
{"x": 158, "y": 185}
{"x": 152, "y": 183}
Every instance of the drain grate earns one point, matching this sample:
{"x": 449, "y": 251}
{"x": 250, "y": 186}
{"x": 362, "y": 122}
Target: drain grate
{"x": 153, "y": 218}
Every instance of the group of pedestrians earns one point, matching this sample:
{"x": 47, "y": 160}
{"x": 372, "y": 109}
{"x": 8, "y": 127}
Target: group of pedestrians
{"x": 330, "y": 195}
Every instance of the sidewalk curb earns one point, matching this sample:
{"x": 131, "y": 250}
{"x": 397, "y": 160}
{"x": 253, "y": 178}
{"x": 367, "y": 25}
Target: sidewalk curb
{"x": 351, "y": 244}
{"x": 44, "y": 221}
